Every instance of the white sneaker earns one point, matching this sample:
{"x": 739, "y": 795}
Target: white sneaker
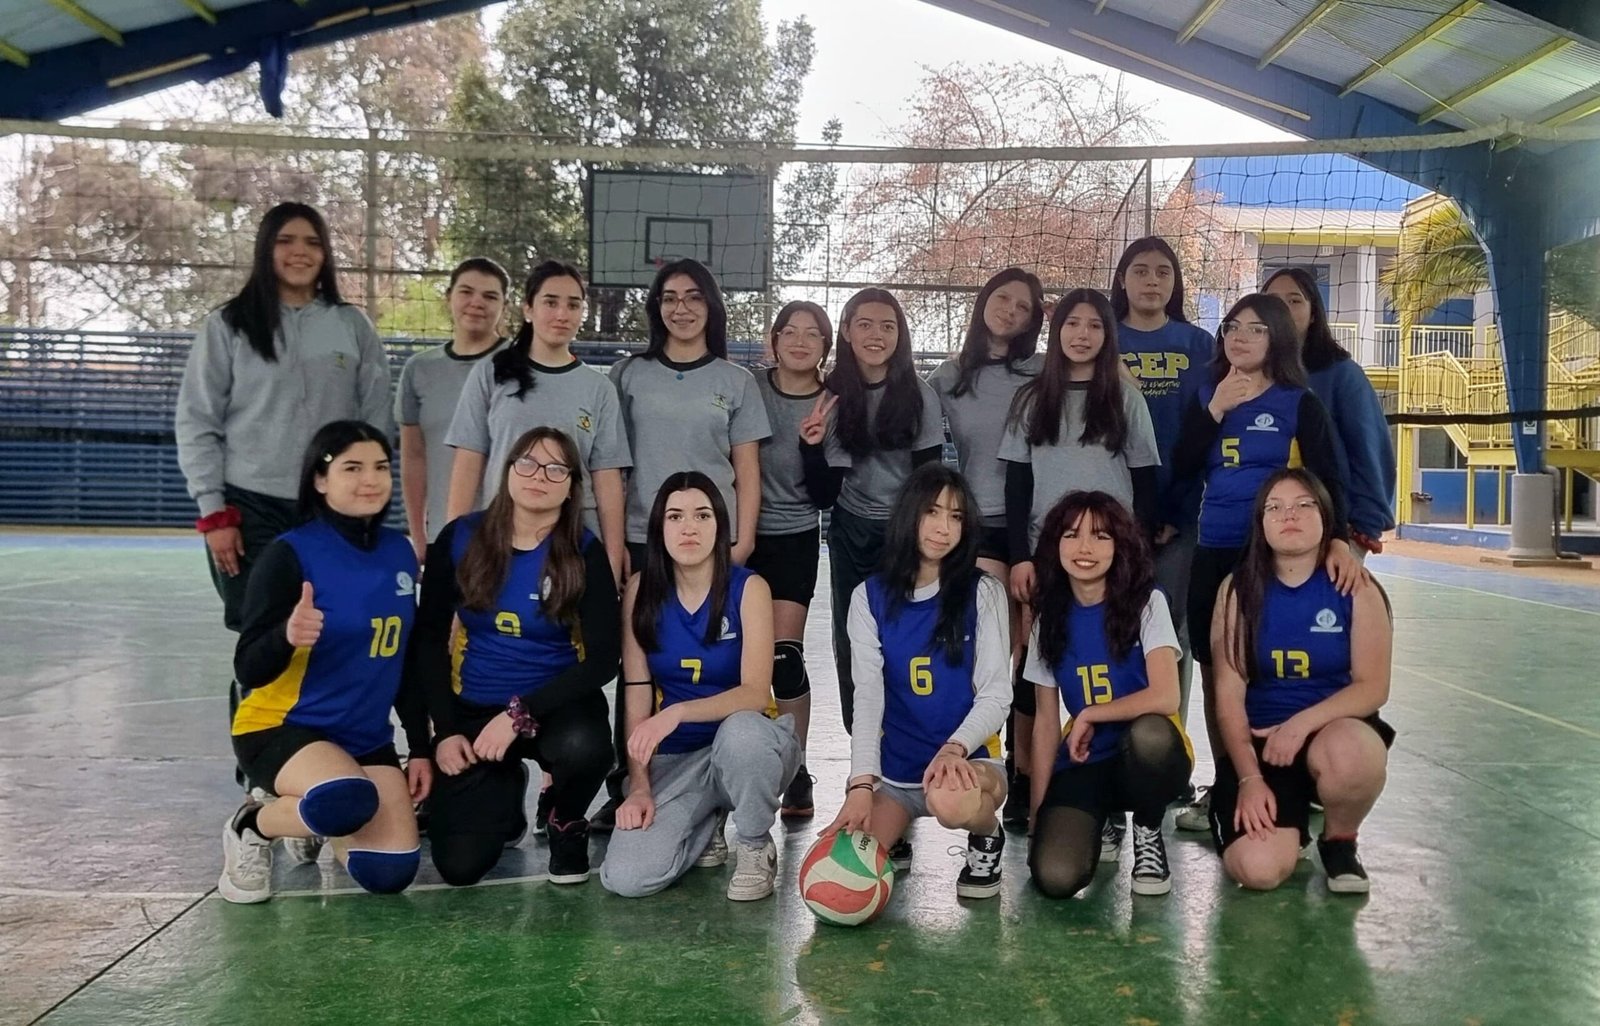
{"x": 754, "y": 869}
{"x": 303, "y": 851}
{"x": 716, "y": 853}
{"x": 246, "y": 864}
{"x": 1111, "y": 838}
{"x": 1196, "y": 816}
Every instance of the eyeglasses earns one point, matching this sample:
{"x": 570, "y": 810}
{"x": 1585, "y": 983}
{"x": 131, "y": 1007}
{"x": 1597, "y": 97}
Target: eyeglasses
{"x": 1255, "y": 329}
{"x": 527, "y": 466}
{"x": 796, "y": 335}
{"x": 689, "y": 300}
{"x": 1300, "y": 508}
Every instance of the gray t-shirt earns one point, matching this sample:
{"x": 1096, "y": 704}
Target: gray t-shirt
{"x": 873, "y": 480}
{"x": 576, "y": 399}
{"x": 786, "y": 507}
{"x": 430, "y": 386}
{"x": 977, "y": 422}
{"x": 685, "y": 416}
{"x": 1071, "y": 466}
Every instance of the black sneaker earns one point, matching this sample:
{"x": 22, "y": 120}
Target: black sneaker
{"x": 569, "y": 852}
{"x": 900, "y": 855}
{"x": 541, "y": 814}
{"x": 797, "y": 800}
{"x": 605, "y": 818}
{"x": 1150, "y": 872}
{"x": 981, "y": 877}
{"x": 1014, "y": 816}
{"x": 1111, "y": 838}
{"x": 1343, "y": 866}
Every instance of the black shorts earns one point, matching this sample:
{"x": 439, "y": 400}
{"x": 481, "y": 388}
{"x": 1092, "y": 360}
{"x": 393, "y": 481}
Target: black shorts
{"x": 993, "y": 543}
{"x": 1291, "y": 785}
{"x": 788, "y": 563}
{"x": 1206, "y": 574}
{"x": 263, "y": 753}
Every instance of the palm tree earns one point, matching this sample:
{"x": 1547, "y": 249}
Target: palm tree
{"x": 1438, "y": 258}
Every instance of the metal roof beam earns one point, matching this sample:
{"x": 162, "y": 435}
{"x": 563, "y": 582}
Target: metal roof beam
{"x": 1199, "y": 20}
{"x": 1490, "y": 81}
{"x": 1577, "y": 112}
{"x": 1425, "y": 36}
{"x": 201, "y": 11}
{"x": 1301, "y": 27}
{"x": 100, "y": 28}
{"x": 12, "y": 54}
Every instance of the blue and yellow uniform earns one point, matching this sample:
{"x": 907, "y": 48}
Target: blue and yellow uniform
{"x": 513, "y": 648}
{"x": 1254, "y": 439}
{"x": 1302, "y": 651}
{"x": 685, "y": 668}
{"x": 925, "y": 697}
{"x": 1090, "y": 673}
{"x": 343, "y": 686}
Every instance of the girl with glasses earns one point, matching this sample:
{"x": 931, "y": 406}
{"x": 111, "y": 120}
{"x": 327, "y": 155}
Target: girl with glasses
{"x": 539, "y": 637}
{"x": 1302, "y": 670}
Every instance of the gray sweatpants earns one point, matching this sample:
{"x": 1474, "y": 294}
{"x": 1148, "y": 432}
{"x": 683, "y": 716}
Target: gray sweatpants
{"x": 743, "y": 770}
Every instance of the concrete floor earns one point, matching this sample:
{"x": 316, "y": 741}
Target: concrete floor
{"x": 115, "y": 777}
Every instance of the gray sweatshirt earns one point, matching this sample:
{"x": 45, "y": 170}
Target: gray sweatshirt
{"x": 247, "y": 423}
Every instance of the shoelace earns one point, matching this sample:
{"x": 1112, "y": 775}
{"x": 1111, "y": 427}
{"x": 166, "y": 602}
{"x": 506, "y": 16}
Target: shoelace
{"x": 1149, "y": 854}
{"x": 978, "y": 860}
{"x": 255, "y": 860}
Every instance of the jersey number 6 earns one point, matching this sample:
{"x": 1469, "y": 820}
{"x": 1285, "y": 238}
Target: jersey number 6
{"x": 922, "y": 676}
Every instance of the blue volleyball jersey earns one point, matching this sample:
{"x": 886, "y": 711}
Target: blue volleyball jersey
{"x": 345, "y": 684}
{"x": 685, "y": 668}
{"x": 925, "y": 697}
{"x": 1302, "y": 649}
{"x": 1090, "y": 674}
{"x": 1254, "y": 440}
{"x": 512, "y": 648}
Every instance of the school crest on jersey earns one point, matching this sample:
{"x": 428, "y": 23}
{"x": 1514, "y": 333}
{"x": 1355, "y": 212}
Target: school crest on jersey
{"x": 585, "y": 420}
{"x": 720, "y": 401}
{"x": 727, "y": 633}
{"x": 404, "y": 584}
{"x": 1327, "y": 622}
{"x": 1264, "y": 422}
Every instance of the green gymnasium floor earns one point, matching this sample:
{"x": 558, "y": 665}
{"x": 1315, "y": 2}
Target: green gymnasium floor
{"x": 115, "y": 778}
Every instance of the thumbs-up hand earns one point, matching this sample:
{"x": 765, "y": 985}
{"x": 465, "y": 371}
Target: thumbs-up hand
{"x": 305, "y": 623}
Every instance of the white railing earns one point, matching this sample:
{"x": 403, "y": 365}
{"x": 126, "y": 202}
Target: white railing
{"x": 1464, "y": 343}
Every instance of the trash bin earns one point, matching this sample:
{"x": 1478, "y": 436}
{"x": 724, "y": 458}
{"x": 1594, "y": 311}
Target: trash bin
{"x": 1421, "y": 508}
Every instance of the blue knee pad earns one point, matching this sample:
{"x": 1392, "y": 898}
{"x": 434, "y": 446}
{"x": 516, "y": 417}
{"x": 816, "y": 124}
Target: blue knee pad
{"x": 339, "y": 807}
{"x": 383, "y": 872}
{"x": 790, "y": 681}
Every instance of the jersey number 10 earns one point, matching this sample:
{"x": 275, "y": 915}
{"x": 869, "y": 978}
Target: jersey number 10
{"x": 385, "y": 636}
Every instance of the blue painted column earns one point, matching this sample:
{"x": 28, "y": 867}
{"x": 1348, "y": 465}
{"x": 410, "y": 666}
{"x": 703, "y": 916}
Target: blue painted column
{"x": 1512, "y": 222}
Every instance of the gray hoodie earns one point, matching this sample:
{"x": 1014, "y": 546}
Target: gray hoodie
{"x": 246, "y": 422}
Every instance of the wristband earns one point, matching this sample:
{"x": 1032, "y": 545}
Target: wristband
{"x": 523, "y": 723}
{"x": 227, "y": 516}
{"x": 956, "y": 745}
{"x": 859, "y": 785}
{"x": 1254, "y": 776}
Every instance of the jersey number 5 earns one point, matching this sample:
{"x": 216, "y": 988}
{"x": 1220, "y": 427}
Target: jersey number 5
{"x": 921, "y": 676}
{"x": 385, "y": 636}
{"x": 1096, "y": 681}
{"x": 1230, "y": 452}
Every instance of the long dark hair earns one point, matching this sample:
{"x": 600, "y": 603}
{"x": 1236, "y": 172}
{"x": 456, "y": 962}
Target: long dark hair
{"x": 327, "y": 445}
{"x": 716, "y": 309}
{"x": 895, "y": 426}
{"x": 515, "y": 362}
{"x": 1128, "y": 583}
{"x": 818, "y": 314}
{"x": 1037, "y": 405}
{"x": 958, "y": 570}
{"x": 1119, "y": 286}
{"x": 486, "y": 564}
{"x": 975, "y": 349}
{"x": 254, "y": 311}
{"x": 658, "y": 579}
{"x": 1321, "y": 349}
{"x": 1282, "y": 366}
{"x": 1257, "y": 567}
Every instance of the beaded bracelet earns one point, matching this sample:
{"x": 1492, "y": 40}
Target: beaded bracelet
{"x": 523, "y": 723}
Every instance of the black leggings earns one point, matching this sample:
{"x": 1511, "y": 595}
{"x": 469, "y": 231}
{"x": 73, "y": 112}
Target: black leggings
{"x": 854, "y": 545}
{"x": 473, "y": 814}
{"x": 1149, "y": 769}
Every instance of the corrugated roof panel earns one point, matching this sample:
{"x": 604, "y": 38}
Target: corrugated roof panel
{"x": 35, "y": 27}
{"x": 1374, "y": 29}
